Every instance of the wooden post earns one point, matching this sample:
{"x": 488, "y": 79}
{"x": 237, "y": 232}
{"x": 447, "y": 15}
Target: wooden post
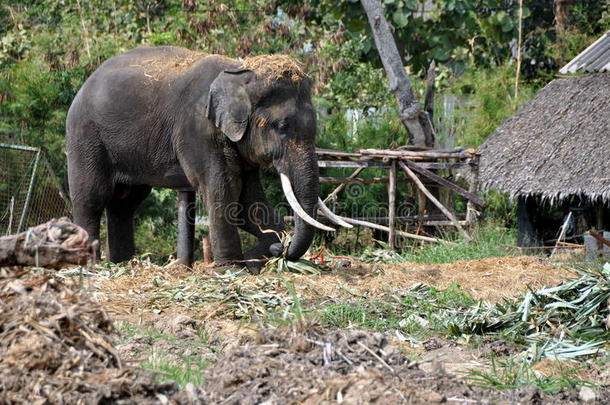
{"x": 473, "y": 185}
{"x": 186, "y": 226}
{"x": 599, "y": 215}
{"x": 436, "y": 202}
{"x": 207, "y": 251}
{"x": 392, "y": 205}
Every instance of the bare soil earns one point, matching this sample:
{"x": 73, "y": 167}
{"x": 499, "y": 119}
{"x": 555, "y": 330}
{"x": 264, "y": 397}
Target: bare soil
{"x": 310, "y": 365}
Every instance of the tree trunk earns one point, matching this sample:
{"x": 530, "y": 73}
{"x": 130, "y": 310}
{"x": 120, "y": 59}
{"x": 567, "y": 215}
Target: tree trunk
{"x": 562, "y": 15}
{"x": 411, "y": 113}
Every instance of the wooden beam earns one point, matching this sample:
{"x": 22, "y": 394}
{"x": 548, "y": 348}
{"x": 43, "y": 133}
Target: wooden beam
{"x": 446, "y": 183}
{"x": 406, "y": 154}
{"x": 341, "y": 180}
{"x": 398, "y": 232}
{"x": 443, "y": 223}
{"x": 436, "y": 202}
{"x": 343, "y": 185}
{"x": 380, "y": 165}
{"x": 336, "y": 153}
{"x": 399, "y": 219}
{"x": 392, "y": 205}
{"x": 600, "y": 238}
{"x": 362, "y": 164}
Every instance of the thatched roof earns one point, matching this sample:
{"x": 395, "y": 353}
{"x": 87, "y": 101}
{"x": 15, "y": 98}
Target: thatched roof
{"x": 557, "y": 146}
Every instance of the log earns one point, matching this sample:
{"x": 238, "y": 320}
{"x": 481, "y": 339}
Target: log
{"x": 410, "y": 109}
{"x": 56, "y": 243}
{"x": 446, "y": 183}
{"x": 436, "y": 202}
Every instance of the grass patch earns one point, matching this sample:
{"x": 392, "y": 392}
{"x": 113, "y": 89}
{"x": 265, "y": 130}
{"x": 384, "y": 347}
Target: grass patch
{"x": 171, "y": 357}
{"x": 419, "y": 313}
{"x": 183, "y": 370}
{"x": 512, "y": 373}
{"x": 490, "y": 240}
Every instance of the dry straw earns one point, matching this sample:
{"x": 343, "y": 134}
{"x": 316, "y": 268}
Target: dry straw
{"x": 275, "y": 67}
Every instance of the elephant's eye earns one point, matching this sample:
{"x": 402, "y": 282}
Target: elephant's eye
{"x": 281, "y": 125}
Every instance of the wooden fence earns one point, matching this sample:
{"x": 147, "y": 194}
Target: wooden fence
{"x": 427, "y": 170}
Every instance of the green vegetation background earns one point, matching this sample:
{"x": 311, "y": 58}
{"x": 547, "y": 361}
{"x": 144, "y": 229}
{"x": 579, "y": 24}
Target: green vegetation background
{"x": 49, "y": 47}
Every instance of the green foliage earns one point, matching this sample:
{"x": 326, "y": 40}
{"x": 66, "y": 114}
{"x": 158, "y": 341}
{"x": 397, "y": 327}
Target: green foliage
{"x": 490, "y": 100}
{"x": 49, "y": 48}
{"x": 417, "y": 313}
{"x": 514, "y": 373}
{"x": 490, "y": 240}
{"x": 562, "y": 322}
{"x": 183, "y": 368}
{"x": 186, "y": 369}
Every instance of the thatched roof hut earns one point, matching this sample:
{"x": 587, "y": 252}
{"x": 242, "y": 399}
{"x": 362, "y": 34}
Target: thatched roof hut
{"x": 557, "y": 146}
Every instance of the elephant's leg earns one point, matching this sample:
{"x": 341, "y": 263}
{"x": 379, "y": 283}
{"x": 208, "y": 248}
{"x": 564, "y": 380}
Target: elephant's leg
{"x": 90, "y": 183}
{"x": 214, "y": 171}
{"x": 119, "y": 214}
{"x": 221, "y": 201}
{"x": 258, "y": 216}
{"x": 87, "y": 209}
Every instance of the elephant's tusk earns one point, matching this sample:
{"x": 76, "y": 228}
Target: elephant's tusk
{"x": 296, "y": 207}
{"x": 331, "y": 215}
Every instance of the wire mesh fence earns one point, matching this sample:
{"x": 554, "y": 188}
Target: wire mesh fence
{"x": 29, "y": 191}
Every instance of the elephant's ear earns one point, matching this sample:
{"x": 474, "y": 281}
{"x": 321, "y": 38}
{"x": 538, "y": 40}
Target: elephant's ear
{"x": 229, "y": 105}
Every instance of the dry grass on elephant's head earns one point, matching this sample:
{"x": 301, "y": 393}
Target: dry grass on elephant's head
{"x": 274, "y": 67}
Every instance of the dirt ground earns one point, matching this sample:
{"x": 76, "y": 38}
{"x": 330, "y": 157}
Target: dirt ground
{"x": 202, "y": 314}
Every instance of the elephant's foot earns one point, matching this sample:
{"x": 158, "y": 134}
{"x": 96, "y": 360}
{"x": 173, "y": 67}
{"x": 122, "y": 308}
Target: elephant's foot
{"x": 227, "y": 266}
{"x": 258, "y": 256}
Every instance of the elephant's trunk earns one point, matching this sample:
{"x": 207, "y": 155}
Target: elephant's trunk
{"x": 302, "y": 172}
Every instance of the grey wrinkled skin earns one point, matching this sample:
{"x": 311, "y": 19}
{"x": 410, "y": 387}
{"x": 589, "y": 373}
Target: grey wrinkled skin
{"x": 209, "y": 126}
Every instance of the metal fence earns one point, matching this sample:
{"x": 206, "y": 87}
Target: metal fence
{"x": 29, "y": 191}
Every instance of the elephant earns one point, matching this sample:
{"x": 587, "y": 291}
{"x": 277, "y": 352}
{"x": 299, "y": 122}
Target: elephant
{"x": 175, "y": 118}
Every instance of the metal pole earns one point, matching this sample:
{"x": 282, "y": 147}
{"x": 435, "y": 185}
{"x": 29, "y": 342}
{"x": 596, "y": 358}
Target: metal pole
{"x": 26, "y": 206}
{"x": 186, "y": 226}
